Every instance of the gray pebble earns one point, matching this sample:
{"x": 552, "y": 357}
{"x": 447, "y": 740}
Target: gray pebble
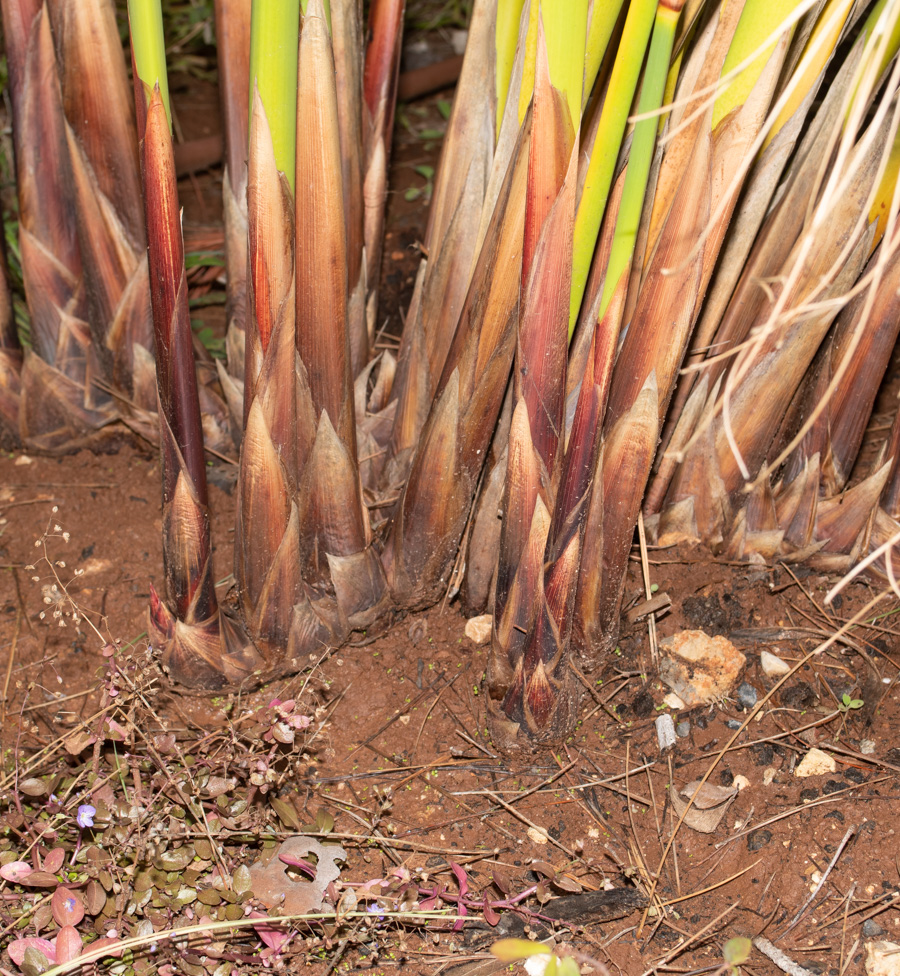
{"x": 758, "y": 839}
{"x": 747, "y": 695}
{"x": 870, "y": 928}
{"x": 683, "y": 729}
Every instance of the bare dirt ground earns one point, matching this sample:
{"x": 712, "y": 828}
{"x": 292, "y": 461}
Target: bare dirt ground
{"x": 383, "y": 750}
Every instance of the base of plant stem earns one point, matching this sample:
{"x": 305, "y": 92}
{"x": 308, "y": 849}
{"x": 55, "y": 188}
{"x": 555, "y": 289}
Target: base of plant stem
{"x": 209, "y": 655}
{"x": 514, "y": 728}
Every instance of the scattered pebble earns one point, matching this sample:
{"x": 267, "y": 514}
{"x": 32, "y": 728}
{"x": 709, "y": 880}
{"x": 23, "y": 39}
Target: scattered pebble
{"x": 772, "y": 665}
{"x": 769, "y": 775}
{"x": 733, "y": 723}
{"x": 699, "y": 668}
{"x": 22, "y": 460}
{"x": 758, "y": 840}
{"x": 834, "y": 786}
{"x": 683, "y": 729}
{"x": 871, "y": 929}
{"x": 665, "y": 732}
{"x": 478, "y": 629}
{"x": 882, "y": 959}
{"x": 740, "y": 782}
{"x": 747, "y": 696}
{"x": 537, "y": 834}
{"x": 815, "y": 763}
{"x": 867, "y": 747}
{"x": 763, "y": 754}
{"x": 673, "y": 701}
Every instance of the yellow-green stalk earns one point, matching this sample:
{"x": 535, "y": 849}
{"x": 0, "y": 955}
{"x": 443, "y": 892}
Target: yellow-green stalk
{"x": 642, "y": 147}
{"x": 607, "y": 143}
{"x": 274, "y": 33}
{"x": 148, "y": 48}
{"x": 509, "y": 13}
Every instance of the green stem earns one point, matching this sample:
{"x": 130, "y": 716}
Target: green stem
{"x": 605, "y": 150}
{"x": 642, "y": 146}
{"x": 603, "y": 19}
{"x": 149, "y": 47}
{"x": 509, "y": 13}
{"x": 274, "y": 48}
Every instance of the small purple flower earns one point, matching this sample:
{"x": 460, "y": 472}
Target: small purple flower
{"x": 85, "y": 816}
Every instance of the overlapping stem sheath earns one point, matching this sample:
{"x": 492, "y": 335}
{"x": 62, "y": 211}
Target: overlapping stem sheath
{"x": 343, "y": 580}
{"x": 538, "y": 698}
{"x": 801, "y": 85}
{"x": 429, "y": 519}
{"x": 460, "y": 203}
{"x": 191, "y": 634}
{"x": 828, "y": 240}
{"x": 382, "y": 69}
{"x": 267, "y": 559}
{"x": 535, "y": 691}
{"x": 60, "y": 408}
{"x": 660, "y": 327}
{"x": 103, "y": 143}
{"x": 347, "y": 44}
{"x": 233, "y": 46}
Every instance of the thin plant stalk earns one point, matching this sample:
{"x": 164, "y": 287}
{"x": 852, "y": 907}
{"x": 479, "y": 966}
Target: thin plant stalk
{"x": 189, "y": 631}
{"x": 233, "y": 46}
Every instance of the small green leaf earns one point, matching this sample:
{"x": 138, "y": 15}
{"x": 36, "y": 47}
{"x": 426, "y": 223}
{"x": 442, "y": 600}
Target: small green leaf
{"x": 426, "y": 171}
{"x": 413, "y": 193}
{"x": 736, "y": 951}
{"x": 324, "y": 821}
{"x": 444, "y": 107}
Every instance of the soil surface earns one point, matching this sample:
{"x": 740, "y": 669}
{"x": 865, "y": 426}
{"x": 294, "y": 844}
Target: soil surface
{"x": 582, "y": 843}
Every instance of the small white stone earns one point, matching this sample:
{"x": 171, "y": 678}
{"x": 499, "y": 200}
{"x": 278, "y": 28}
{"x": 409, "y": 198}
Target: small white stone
{"x": 768, "y": 775}
{"x": 882, "y": 959}
{"x": 815, "y": 763}
{"x": 772, "y": 665}
{"x": 665, "y": 732}
{"x": 537, "y": 834}
{"x": 22, "y": 460}
{"x": 740, "y": 783}
{"x": 867, "y": 747}
{"x": 478, "y": 629}
{"x": 673, "y": 701}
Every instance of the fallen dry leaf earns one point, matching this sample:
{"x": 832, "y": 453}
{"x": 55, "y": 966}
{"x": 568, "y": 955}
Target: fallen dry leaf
{"x": 708, "y": 808}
